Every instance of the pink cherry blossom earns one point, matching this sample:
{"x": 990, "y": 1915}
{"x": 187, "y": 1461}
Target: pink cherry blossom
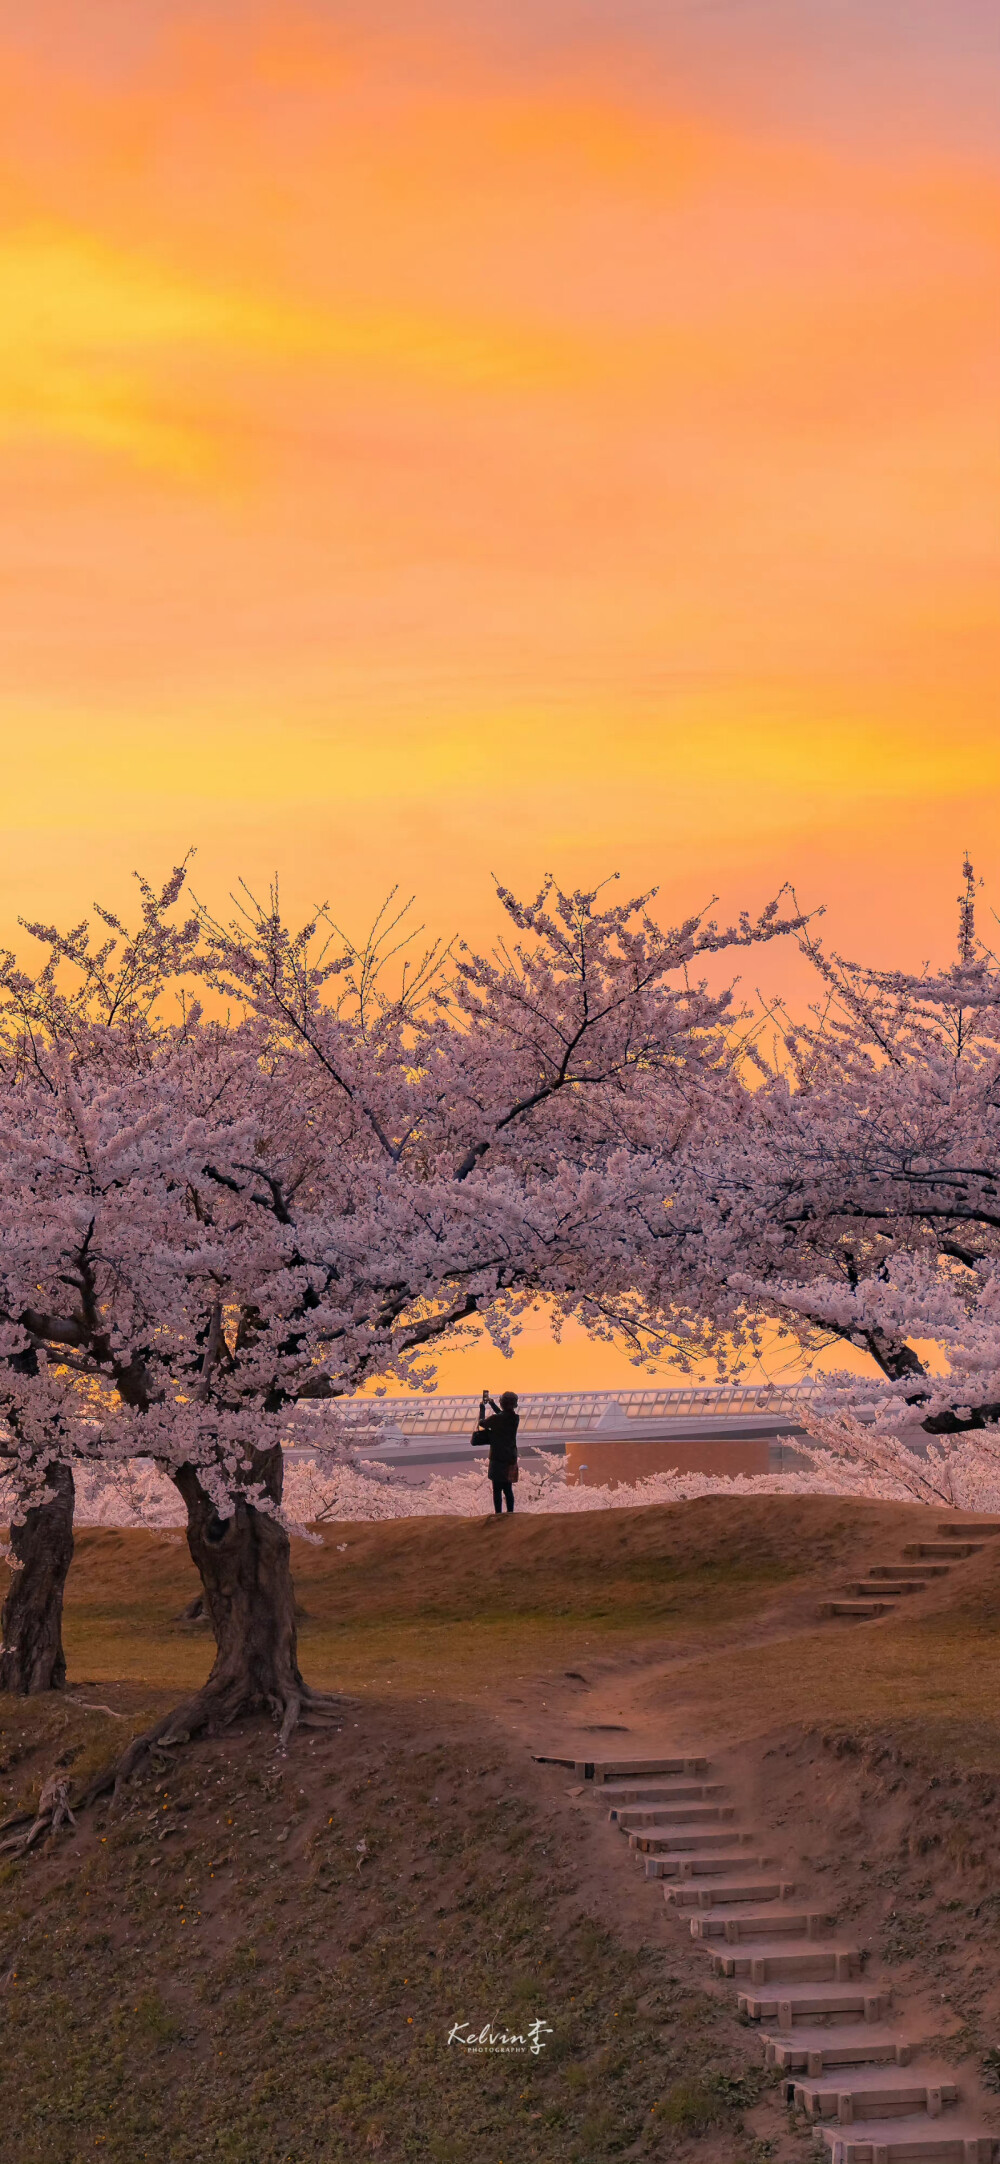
{"x": 211, "y": 1214}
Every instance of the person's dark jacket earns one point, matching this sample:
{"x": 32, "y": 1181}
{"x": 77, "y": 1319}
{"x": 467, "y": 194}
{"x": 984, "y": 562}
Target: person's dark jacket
{"x": 500, "y": 1432}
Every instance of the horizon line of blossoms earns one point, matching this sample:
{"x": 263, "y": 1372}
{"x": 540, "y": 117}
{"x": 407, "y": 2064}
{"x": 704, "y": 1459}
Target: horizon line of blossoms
{"x": 323, "y": 1497}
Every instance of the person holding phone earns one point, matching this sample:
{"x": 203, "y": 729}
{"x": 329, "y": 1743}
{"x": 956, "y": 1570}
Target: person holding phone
{"x": 498, "y": 1428}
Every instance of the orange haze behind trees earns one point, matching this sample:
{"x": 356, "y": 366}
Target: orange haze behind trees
{"x": 467, "y": 439}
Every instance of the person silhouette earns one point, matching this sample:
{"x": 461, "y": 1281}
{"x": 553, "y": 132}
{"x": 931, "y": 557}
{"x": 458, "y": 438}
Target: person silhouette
{"x": 499, "y": 1428}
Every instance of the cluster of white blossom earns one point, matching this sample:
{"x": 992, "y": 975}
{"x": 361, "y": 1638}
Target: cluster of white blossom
{"x": 317, "y": 1493}
{"x": 866, "y": 1459}
{"x": 204, "y": 1222}
{"x": 201, "y": 1224}
{"x": 854, "y": 1196}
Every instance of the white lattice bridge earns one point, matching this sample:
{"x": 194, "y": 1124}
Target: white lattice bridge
{"x": 551, "y": 1419}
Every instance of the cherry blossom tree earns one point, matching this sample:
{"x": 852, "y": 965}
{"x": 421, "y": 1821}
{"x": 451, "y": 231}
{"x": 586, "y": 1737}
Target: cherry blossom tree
{"x": 855, "y": 1197}
{"x": 451, "y": 1147}
{"x": 246, "y": 1215}
{"x": 524, "y": 1105}
{"x": 92, "y": 1008}
{"x": 137, "y": 1263}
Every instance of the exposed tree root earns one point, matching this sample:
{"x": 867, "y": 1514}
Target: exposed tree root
{"x": 53, "y": 1811}
{"x": 248, "y": 1599}
{"x": 91, "y": 1705}
{"x": 210, "y": 1712}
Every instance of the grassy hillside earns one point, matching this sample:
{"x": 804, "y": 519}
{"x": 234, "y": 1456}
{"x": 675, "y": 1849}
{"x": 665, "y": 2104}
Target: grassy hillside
{"x": 385, "y": 1604}
{"x": 217, "y": 1969}
{"x": 213, "y": 1968}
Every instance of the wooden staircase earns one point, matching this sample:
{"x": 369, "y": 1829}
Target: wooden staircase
{"x": 925, "y": 1560}
{"x": 860, "y": 2074}
{"x": 863, "y": 2077}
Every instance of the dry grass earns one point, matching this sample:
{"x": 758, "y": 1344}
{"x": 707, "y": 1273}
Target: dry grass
{"x": 710, "y": 1607}
{"x": 240, "y": 1991}
{"x": 446, "y": 1597}
{"x": 206, "y": 1972}
{"x": 939, "y": 1680}
{"x": 930, "y": 1673}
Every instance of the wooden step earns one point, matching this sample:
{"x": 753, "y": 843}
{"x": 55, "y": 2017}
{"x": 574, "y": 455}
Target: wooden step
{"x": 694, "y": 1894}
{"x": 888, "y": 1571}
{"x": 868, "y": 1589}
{"x": 977, "y": 1529}
{"x": 937, "y": 1550}
{"x": 911, "y": 2140}
{"x": 633, "y": 1818}
{"x": 767, "y": 1961}
{"x": 616, "y": 1769}
{"x": 670, "y": 1838}
{"x": 811, "y": 2051}
{"x": 664, "y": 1791}
{"x": 606, "y": 1769}
{"x": 747, "y": 1922}
{"x": 859, "y": 1611}
{"x": 786, "y": 2004}
{"x": 873, "y": 2092}
{"x": 684, "y": 1865}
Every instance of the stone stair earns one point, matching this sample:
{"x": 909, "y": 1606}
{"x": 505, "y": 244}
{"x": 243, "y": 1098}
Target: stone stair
{"x": 862, "y": 2079}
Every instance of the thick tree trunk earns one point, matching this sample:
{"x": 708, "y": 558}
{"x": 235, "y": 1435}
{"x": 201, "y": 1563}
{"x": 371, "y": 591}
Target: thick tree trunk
{"x": 33, "y": 1659}
{"x": 244, "y": 1563}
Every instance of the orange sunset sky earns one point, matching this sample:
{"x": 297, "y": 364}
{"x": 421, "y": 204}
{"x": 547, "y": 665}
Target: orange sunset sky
{"x": 449, "y": 439}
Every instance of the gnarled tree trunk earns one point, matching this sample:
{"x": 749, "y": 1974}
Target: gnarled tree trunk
{"x": 244, "y": 1563}
{"x": 33, "y": 1659}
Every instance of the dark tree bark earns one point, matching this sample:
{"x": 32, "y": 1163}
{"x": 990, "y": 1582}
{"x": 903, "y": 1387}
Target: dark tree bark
{"x": 244, "y": 1563}
{"x": 33, "y": 1659}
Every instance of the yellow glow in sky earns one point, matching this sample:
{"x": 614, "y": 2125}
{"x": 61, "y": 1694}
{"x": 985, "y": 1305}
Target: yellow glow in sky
{"x": 486, "y": 440}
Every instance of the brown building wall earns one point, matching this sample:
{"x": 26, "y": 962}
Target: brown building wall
{"x": 611, "y": 1464}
